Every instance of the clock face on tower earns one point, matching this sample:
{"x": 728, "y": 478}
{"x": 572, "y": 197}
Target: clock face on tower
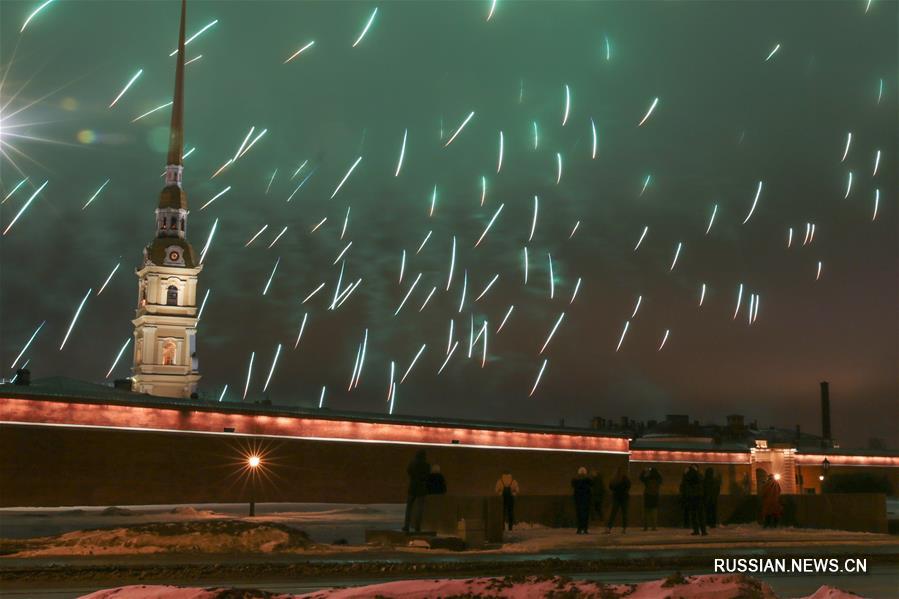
{"x": 173, "y": 256}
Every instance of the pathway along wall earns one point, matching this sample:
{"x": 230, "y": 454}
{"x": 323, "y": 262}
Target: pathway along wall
{"x": 60, "y": 466}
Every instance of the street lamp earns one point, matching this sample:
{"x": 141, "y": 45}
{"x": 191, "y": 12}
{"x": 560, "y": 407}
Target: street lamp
{"x": 253, "y": 463}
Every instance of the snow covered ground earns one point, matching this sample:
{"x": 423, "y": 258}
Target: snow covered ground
{"x": 532, "y": 587}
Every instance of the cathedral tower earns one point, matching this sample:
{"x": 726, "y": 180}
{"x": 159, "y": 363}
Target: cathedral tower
{"x": 165, "y": 326}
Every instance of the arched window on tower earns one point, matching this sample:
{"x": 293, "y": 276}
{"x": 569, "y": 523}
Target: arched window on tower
{"x": 182, "y": 224}
{"x": 171, "y": 298}
{"x": 169, "y": 352}
{"x": 174, "y": 223}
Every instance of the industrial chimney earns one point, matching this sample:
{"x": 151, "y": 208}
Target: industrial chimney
{"x": 825, "y": 411}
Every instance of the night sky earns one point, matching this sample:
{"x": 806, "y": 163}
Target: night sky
{"x": 726, "y": 119}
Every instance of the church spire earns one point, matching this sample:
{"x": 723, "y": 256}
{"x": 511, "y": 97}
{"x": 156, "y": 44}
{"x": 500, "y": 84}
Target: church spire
{"x": 176, "y": 133}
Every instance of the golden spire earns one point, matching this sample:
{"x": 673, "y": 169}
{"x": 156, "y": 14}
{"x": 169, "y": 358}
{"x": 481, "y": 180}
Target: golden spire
{"x": 176, "y": 133}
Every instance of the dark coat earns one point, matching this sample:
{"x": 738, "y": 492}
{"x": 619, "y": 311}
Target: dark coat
{"x": 621, "y": 489}
{"x": 436, "y": 484}
{"x": 652, "y": 485}
{"x": 583, "y": 488}
{"x": 692, "y": 486}
{"x": 419, "y": 470}
{"x": 711, "y": 487}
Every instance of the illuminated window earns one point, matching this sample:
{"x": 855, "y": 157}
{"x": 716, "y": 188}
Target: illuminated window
{"x": 172, "y": 296}
{"x": 169, "y": 350}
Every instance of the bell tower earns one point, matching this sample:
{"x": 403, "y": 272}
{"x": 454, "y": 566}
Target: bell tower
{"x": 165, "y": 324}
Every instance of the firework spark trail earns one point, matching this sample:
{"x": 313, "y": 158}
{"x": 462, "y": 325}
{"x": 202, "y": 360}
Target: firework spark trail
{"x": 346, "y": 220}
{"x": 302, "y": 328}
{"x": 646, "y": 183}
{"x": 536, "y": 136}
{"x": 299, "y": 168}
{"x": 216, "y": 196}
{"x": 642, "y": 236}
{"x": 342, "y": 252}
{"x": 487, "y": 288}
{"x": 790, "y": 237}
{"x": 402, "y": 266}
{"x": 28, "y": 344}
{"x": 195, "y": 36}
{"x": 459, "y": 130}
{"x": 24, "y": 207}
{"x": 408, "y": 293}
{"x": 876, "y": 163}
{"x": 314, "y": 291}
{"x": 755, "y": 201}
{"x": 420, "y": 247}
{"x": 414, "y": 360}
{"x": 574, "y": 230}
{"x": 492, "y": 9}
{"x": 464, "y": 289}
{"x": 452, "y": 267}
{"x": 558, "y": 168}
{"x": 577, "y": 287}
{"x": 680, "y": 245}
{"x": 337, "y": 289}
{"x": 552, "y": 332}
{"x": 808, "y": 230}
{"x": 345, "y": 177}
{"x": 595, "y": 140}
{"x": 552, "y": 277}
{"x": 652, "y": 108}
{"x": 848, "y": 186}
{"x": 75, "y": 319}
{"x": 149, "y": 112}
{"x": 118, "y": 357}
{"x": 739, "y": 301}
{"x": 222, "y": 396}
{"x": 278, "y": 236}
{"x": 499, "y": 163}
{"x": 449, "y": 341}
{"x": 34, "y": 14}
{"x": 433, "y": 202}
{"x": 449, "y": 355}
{"x": 539, "y": 376}
{"x": 526, "y": 265}
{"x": 271, "y": 276}
{"x": 252, "y": 143}
{"x": 751, "y": 306}
{"x": 249, "y": 374}
{"x": 300, "y": 186}
{"x": 712, "y": 219}
{"x": 258, "y": 233}
{"x": 320, "y": 223}
{"x": 321, "y": 398}
{"x": 349, "y": 291}
{"x": 483, "y": 190}
{"x": 818, "y": 275}
{"x": 270, "y": 181}
{"x": 627, "y": 324}
{"x": 608, "y": 46}
{"x": 490, "y": 224}
{"x": 399, "y": 164}
{"x": 209, "y": 240}
{"x": 702, "y": 295}
{"x": 202, "y": 304}
{"x": 876, "y": 204}
{"x": 534, "y": 220}
{"x": 773, "y": 52}
{"x": 96, "y": 193}
{"x": 427, "y": 299}
{"x": 109, "y": 278}
{"x": 664, "y": 339}
{"x": 194, "y": 59}
{"x": 361, "y": 359}
{"x": 505, "y": 318}
{"x": 14, "y": 190}
{"x": 846, "y": 150}
{"x": 484, "y": 347}
{"x": 371, "y": 20}
{"x": 567, "y": 105}
{"x": 755, "y": 313}
{"x": 637, "y": 306}
{"x": 300, "y": 51}
{"x": 127, "y": 85}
